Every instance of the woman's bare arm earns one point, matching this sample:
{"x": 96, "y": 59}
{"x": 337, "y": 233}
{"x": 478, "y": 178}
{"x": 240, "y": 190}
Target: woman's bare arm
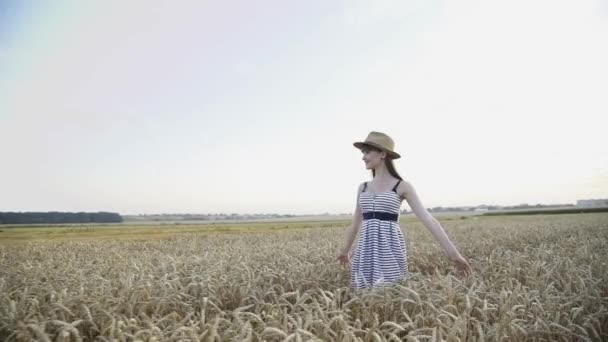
{"x": 355, "y": 224}
{"x": 406, "y": 190}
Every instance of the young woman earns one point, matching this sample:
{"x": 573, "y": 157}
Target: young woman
{"x": 381, "y": 255}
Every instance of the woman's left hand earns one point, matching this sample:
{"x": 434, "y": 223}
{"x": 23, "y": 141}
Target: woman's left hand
{"x": 462, "y": 266}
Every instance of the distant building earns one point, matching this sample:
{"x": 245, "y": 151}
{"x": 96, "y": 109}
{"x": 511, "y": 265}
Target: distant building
{"x": 591, "y": 203}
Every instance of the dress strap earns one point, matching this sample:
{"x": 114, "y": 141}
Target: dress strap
{"x": 364, "y": 187}
{"x": 396, "y": 185}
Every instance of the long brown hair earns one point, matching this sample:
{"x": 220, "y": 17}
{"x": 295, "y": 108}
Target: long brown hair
{"x": 390, "y": 166}
{"x": 388, "y": 162}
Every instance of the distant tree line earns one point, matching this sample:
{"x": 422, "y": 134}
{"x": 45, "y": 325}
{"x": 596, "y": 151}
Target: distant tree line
{"x": 57, "y": 217}
{"x": 550, "y": 211}
{"x": 202, "y": 217}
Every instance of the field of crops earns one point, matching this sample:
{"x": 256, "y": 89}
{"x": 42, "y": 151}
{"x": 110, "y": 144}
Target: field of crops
{"x": 536, "y": 278}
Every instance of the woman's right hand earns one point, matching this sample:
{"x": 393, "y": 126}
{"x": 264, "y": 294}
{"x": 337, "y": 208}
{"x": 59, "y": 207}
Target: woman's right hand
{"x": 344, "y": 259}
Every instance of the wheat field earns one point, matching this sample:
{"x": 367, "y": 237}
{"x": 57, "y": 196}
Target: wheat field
{"x": 536, "y": 278}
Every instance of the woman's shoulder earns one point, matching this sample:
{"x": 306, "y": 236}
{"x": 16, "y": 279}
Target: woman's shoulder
{"x": 404, "y": 187}
{"x": 404, "y": 181}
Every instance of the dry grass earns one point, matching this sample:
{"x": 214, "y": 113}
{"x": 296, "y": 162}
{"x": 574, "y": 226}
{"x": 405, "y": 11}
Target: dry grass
{"x": 537, "y": 278}
{"x": 16, "y": 234}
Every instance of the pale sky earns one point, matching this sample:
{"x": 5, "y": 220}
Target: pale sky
{"x": 253, "y": 106}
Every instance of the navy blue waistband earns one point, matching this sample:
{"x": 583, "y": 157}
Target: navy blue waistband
{"x": 380, "y": 215}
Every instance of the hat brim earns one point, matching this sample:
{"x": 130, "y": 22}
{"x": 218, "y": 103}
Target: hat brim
{"x": 392, "y": 154}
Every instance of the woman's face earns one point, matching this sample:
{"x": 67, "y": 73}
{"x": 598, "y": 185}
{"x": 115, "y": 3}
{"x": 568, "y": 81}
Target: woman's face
{"x": 372, "y": 157}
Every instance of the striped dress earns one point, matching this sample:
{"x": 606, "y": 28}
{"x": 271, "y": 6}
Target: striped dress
{"x": 380, "y": 257}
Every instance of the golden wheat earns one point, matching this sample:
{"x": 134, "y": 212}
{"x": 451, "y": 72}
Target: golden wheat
{"x": 537, "y": 278}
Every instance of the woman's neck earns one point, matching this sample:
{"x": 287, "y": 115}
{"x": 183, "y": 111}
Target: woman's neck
{"x": 381, "y": 174}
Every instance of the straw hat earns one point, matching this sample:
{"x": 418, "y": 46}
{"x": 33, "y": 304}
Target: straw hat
{"x": 381, "y": 141}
